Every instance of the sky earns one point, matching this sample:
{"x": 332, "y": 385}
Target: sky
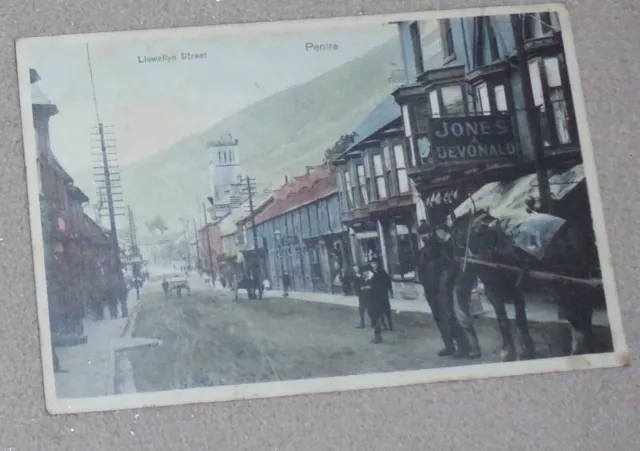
{"x": 153, "y": 105}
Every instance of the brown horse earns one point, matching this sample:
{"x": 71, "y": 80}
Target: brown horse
{"x": 485, "y": 238}
{"x": 481, "y": 236}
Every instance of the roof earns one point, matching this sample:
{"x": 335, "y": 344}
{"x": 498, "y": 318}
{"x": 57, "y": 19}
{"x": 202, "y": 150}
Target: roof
{"x": 384, "y": 114}
{"x": 38, "y": 97}
{"x": 298, "y": 192}
{"x": 33, "y": 76}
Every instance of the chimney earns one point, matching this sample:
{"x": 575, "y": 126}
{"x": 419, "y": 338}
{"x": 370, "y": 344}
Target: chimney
{"x": 411, "y": 50}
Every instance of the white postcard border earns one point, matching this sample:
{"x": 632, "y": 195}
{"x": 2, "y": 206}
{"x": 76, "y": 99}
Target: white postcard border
{"x": 619, "y": 357}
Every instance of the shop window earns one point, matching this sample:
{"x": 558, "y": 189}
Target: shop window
{"x": 401, "y": 168}
{"x": 379, "y": 175}
{"x": 400, "y": 252}
{"x": 446, "y": 35}
{"x": 362, "y": 184}
{"x": 550, "y": 96}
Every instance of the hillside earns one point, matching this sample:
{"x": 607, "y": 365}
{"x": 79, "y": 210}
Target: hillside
{"x": 278, "y": 136}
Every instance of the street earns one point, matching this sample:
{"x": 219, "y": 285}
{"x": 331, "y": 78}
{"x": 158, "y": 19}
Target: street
{"x": 208, "y": 339}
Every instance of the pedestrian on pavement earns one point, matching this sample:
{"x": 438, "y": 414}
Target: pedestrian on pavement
{"x": 165, "y": 287}
{"x": 350, "y": 280}
{"x": 381, "y": 289}
{"x": 286, "y": 283}
{"x": 437, "y": 276}
{"x": 356, "y": 285}
{"x": 367, "y": 291}
{"x": 124, "y": 295}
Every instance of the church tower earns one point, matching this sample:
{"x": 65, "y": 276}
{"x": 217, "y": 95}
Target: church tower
{"x": 224, "y": 168}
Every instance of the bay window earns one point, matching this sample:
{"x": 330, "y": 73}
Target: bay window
{"x": 401, "y": 169}
{"x": 448, "y": 100}
{"x": 386, "y": 153}
{"x": 362, "y": 184}
{"x": 489, "y": 99}
{"x": 379, "y": 176}
{"x": 552, "y": 100}
{"x": 349, "y": 189}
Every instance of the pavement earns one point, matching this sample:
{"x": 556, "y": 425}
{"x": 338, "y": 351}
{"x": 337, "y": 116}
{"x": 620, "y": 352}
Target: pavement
{"x": 537, "y": 310}
{"x": 89, "y": 369}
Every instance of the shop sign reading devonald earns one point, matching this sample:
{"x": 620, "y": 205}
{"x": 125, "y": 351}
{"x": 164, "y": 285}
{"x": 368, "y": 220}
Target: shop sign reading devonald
{"x": 473, "y": 139}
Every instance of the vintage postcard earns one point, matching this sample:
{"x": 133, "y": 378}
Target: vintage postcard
{"x": 262, "y": 210}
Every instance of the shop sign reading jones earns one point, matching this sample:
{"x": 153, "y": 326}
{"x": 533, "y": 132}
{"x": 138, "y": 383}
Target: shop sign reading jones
{"x": 473, "y": 139}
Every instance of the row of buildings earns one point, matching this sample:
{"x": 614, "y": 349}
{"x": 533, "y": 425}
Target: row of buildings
{"x": 488, "y": 112}
{"x": 76, "y": 248}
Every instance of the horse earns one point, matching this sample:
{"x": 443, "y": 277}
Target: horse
{"x": 565, "y": 253}
{"x": 480, "y": 236}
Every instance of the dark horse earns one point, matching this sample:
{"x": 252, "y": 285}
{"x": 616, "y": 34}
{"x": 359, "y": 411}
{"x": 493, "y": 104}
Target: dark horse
{"x": 483, "y": 237}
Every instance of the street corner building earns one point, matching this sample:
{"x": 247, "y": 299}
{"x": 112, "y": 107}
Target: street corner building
{"x": 481, "y": 142}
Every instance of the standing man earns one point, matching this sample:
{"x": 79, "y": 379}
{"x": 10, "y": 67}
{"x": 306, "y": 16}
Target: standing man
{"x": 165, "y": 287}
{"x": 384, "y": 286}
{"x": 286, "y": 283}
{"x": 378, "y": 284}
{"x": 436, "y": 276}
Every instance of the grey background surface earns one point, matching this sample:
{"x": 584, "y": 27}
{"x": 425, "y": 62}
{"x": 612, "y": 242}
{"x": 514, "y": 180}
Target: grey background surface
{"x": 588, "y": 410}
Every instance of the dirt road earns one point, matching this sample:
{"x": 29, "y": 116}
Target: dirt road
{"x": 209, "y": 339}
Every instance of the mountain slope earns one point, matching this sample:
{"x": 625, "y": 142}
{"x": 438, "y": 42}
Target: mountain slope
{"x": 278, "y": 136}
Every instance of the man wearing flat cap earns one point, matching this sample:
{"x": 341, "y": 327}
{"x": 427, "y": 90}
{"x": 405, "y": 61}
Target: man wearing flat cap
{"x": 436, "y": 261}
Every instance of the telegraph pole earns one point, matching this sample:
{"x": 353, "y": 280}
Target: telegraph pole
{"x": 108, "y": 175}
{"x": 532, "y": 117}
{"x": 206, "y": 229}
{"x": 253, "y": 219}
{"x": 195, "y": 233}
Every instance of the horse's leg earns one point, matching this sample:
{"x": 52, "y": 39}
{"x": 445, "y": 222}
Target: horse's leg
{"x": 495, "y": 294}
{"x": 579, "y": 313}
{"x": 527, "y": 347}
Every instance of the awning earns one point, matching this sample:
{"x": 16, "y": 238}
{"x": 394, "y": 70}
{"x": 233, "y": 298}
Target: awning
{"x": 531, "y": 232}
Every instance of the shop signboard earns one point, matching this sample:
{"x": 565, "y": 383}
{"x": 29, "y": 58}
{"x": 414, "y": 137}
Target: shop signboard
{"x": 473, "y": 140}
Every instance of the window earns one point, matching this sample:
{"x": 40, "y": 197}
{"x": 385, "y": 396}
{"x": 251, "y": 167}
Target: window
{"x": 501, "y": 98}
{"x": 447, "y": 101}
{"x": 400, "y": 252}
{"x": 348, "y": 189}
{"x": 540, "y": 25}
{"x": 490, "y": 99}
{"x": 434, "y": 103}
{"x": 485, "y": 42}
{"x": 452, "y": 100}
{"x": 483, "y": 105}
{"x": 362, "y": 184}
{"x": 378, "y": 173}
{"x": 446, "y": 34}
{"x": 551, "y": 101}
{"x": 401, "y": 169}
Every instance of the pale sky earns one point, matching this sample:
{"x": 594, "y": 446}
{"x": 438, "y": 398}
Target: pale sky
{"x": 153, "y": 105}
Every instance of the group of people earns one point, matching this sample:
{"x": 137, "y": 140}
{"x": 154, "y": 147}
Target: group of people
{"x": 447, "y": 289}
{"x": 372, "y": 285}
